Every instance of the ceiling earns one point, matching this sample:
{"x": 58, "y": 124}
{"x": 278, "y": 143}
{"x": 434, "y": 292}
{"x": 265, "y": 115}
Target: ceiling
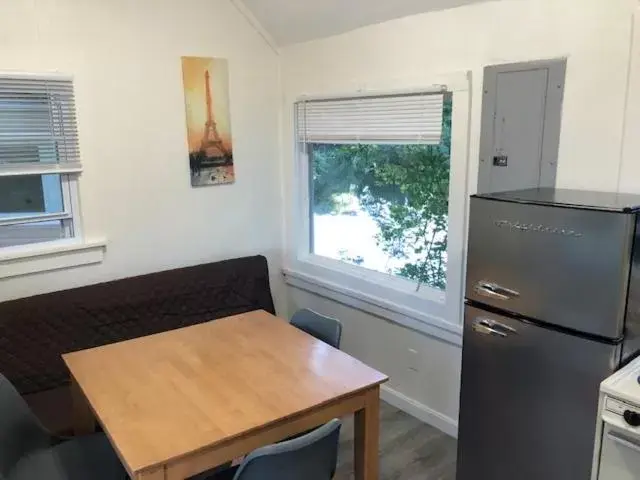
{"x": 293, "y": 21}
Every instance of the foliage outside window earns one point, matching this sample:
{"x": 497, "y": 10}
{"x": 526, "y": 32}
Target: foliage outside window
{"x": 384, "y": 206}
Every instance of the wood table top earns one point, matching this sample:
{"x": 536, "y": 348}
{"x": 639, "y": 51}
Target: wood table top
{"x": 164, "y": 396}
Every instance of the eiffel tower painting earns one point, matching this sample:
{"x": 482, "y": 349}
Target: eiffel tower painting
{"x": 212, "y": 144}
{"x": 208, "y": 120}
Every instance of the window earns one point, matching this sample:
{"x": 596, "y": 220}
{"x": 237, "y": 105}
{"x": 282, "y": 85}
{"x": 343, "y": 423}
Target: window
{"x": 39, "y": 160}
{"x": 379, "y": 196}
{"x": 379, "y": 171}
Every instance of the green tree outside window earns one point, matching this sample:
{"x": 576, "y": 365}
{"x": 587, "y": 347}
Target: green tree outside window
{"x": 403, "y": 188}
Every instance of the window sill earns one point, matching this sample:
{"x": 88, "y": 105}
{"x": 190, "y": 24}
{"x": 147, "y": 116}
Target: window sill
{"x": 389, "y": 310}
{"x": 43, "y": 257}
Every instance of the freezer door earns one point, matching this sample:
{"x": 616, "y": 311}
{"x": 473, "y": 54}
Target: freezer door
{"x": 529, "y": 400}
{"x": 564, "y": 266}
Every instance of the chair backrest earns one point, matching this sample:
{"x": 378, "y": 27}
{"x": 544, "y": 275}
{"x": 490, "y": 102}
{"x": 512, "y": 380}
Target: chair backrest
{"x": 310, "y": 457}
{"x": 20, "y": 430}
{"x": 327, "y": 329}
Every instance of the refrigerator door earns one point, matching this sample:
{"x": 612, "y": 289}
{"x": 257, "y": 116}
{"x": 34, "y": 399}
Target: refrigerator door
{"x": 564, "y": 266}
{"x": 529, "y": 400}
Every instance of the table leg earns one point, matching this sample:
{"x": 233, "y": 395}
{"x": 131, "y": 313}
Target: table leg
{"x": 367, "y": 437}
{"x": 83, "y": 420}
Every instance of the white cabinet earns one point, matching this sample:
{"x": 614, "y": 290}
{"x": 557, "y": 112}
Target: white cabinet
{"x": 620, "y": 455}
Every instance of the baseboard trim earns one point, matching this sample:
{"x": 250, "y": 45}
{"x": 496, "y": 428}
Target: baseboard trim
{"x": 420, "y": 411}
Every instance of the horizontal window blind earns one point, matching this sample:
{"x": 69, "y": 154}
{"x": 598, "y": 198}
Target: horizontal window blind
{"x": 38, "y": 130}
{"x": 409, "y": 118}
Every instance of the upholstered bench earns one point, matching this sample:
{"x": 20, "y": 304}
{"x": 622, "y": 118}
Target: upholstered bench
{"x": 35, "y": 331}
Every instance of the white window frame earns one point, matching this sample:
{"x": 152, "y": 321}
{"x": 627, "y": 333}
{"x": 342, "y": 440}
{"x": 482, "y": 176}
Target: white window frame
{"x": 74, "y": 249}
{"x": 430, "y": 310}
{"x": 70, "y": 216}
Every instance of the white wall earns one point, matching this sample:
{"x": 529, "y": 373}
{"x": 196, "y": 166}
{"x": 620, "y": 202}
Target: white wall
{"x": 630, "y": 168}
{"x": 135, "y": 190}
{"x": 425, "y": 383}
{"x": 408, "y": 53}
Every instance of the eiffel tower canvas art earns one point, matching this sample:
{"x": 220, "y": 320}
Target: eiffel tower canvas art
{"x": 206, "y": 91}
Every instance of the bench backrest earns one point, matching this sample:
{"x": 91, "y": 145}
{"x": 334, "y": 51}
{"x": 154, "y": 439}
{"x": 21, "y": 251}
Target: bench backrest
{"x": 35, "y": 331}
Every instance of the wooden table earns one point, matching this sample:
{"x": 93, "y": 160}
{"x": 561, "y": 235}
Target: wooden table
{"x": 181, "y": 402}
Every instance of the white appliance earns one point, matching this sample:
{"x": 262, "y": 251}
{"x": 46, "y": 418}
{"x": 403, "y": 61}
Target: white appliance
{"x": 617, "y": 446}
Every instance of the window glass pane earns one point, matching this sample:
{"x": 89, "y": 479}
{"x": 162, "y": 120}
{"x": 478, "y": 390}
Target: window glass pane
{"x": 12, "y": 235}
{"x": 24, "y": 195}
{"x": 384, "y": 207}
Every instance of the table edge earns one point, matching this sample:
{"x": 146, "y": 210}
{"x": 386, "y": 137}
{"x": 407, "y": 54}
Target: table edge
{"x": 181, "y": 456}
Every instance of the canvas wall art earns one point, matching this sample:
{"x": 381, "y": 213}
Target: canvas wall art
{"x": 206, "y": 94}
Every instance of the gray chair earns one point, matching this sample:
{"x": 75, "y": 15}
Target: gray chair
{"x": 29, "y": 452}
{"x": 327, "y": 329}
{"x": 309, "y": 457}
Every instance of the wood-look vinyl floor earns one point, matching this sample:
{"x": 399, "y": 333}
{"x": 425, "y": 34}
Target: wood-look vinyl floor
{"x": 409, "y": 449}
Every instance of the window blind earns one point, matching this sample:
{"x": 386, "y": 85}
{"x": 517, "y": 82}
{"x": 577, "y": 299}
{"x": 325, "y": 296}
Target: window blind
{"x": 38, "y": 130}
{"x": 407, "y": 118}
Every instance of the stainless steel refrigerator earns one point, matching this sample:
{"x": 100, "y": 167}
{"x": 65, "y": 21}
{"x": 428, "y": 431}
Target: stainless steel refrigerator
{"x": 552, "y": 308}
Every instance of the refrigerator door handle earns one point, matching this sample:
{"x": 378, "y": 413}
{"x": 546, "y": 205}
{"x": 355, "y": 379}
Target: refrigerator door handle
{"x": 493, "y": 290}
{"x": 488, "y": 322}
{"x": 480, "y": 327}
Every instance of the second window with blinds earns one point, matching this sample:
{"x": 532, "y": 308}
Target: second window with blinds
{"x": 379, "y": 171}
{"x": 39, "y": 161}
